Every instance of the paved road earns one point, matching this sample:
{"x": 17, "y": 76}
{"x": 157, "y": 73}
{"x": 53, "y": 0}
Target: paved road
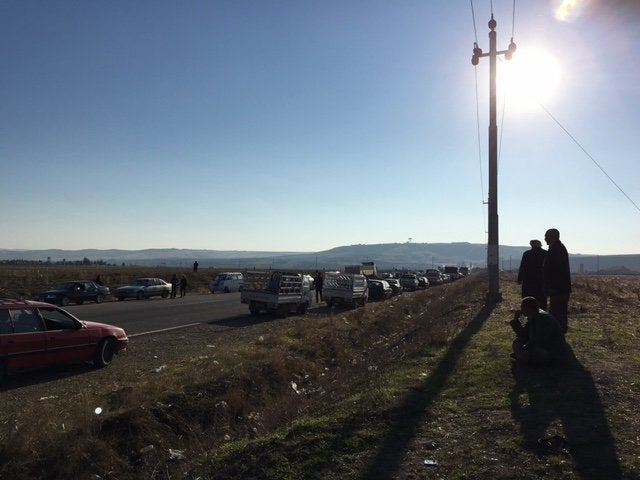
{"x": 141, "y": 316}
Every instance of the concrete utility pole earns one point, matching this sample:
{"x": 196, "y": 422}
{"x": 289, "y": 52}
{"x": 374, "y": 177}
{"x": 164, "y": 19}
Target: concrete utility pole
{"x": 494, "y": 294}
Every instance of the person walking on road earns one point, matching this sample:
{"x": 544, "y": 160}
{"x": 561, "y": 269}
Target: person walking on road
{"x": 557, "y": 278}
{"x": 531, "y": 273}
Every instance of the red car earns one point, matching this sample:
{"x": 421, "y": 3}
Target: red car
{"x": 34, "y": 334}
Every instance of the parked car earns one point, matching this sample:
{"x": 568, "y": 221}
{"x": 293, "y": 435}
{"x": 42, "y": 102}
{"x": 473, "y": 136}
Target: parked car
{"x": 77, "y": 291}
{"x": 423, "y": 282}
{"x": 409, "y": 281}
{"x": 394, "y": 283}
{"x": 379, "y": 289}
{"x": 434, "y": 276}
{"x": 144, "y": 288}
{"x": 227, "y": 282}
{"x": 34, "y": 334}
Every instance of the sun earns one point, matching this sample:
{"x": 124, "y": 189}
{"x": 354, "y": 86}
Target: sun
{"x": 531, "y": 77}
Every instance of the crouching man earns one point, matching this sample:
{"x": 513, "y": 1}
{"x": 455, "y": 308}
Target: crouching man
{"x": 540, "y": 341}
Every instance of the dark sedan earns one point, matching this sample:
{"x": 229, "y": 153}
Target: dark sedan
{"x": 379, "y": 289}
{"x": 76, "y": 291}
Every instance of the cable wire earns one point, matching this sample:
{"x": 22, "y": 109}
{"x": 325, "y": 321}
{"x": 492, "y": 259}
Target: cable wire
{"x": 484, "y": 222}
{"x": 513, "y": 20}
{"x": 473, "y": 16}
{"x": 589, "y": 155}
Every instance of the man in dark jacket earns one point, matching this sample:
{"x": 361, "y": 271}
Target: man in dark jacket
{"x": 540, "y": 341}
{"x": 557, "y": 277}
{"x": 531, "y": 274}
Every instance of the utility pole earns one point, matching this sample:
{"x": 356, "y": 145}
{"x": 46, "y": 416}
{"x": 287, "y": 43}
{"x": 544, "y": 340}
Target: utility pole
{"x": 494, "y": 294}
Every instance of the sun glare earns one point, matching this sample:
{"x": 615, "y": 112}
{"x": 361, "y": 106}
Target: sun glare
{"x": 529, "y": 78}
{"x": 568, "y": 9}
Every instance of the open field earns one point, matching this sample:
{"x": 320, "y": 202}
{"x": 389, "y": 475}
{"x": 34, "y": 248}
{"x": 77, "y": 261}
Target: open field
{"x": 417, "y": 387}
{"x": 26, "y": 281}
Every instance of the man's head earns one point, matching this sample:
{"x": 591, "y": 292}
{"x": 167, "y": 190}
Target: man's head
{"x": 551, "y": 236}
{"x": 535, "y": 243}
{"x": 529, "y": 306}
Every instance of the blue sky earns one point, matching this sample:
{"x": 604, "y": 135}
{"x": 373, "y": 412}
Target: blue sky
{"x": 302, "y": 126}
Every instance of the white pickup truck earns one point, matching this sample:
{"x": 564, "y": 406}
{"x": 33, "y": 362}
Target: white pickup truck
{"x": 345, "y": 288}
{"x": 279, "y": 292}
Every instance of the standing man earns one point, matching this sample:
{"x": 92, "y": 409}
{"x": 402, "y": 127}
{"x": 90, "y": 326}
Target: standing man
{"x": 318, "y": 279}
{"x": 531, "y": 273}
{"x": 183, "y": 286}
{"x": 557, "y": 277}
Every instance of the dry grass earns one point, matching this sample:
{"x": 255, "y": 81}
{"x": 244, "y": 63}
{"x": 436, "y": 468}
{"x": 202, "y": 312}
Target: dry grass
{"x": 25, "y": 281}
{"x": 368, "y": 393}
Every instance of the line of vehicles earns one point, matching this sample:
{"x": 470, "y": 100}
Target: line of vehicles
{"x": 80, "y": 291}
{"x": 287, "y": 292}
{"x": 38, "y": 333}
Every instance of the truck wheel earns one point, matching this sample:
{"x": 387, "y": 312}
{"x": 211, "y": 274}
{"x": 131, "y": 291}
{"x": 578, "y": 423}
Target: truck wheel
{"x": 302, "y": 308}
{"x": 254, "y": 308}
{"x": 64, "y": 301}
{"x": 283, "y": 310}
{"x": 3, "y": 370}
{"x": 99, "y": 298}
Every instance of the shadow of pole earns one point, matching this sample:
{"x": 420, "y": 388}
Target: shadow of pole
{"x": 408, "y": 417}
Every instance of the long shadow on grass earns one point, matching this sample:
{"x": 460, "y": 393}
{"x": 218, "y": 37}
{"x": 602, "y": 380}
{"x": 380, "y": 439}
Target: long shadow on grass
{"x": 569, "y": 396}
{"x": 408, "y": 417}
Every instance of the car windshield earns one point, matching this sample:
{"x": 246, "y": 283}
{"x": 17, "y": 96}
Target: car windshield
{"x": 141, "y": 282}
{"x": 64, "y": 286}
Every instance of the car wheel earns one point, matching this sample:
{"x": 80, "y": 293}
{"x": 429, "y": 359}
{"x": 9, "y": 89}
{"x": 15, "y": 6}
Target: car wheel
{"x": 79, "y": 301}
{"x": 64, "y": 301}
{"x": 254, "y": 308}
{"x": 165, "y": 294}
{"x": 104, "y": 354}
{"x": 99, "y": 298}
{"x": 226, "y": 289}
{"x": 120, "y": 299}
{"x": 140, "y": 295}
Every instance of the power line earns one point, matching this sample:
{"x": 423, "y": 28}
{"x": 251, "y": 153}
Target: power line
{"x": 484, "y": 223}
{"x": 513, "y": 21}
{"x": 473, "y": 16}
{"x": 589, "y": 155}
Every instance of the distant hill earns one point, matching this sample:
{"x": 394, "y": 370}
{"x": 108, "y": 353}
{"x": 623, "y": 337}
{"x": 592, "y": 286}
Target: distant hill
{"x": 386, "y": 256}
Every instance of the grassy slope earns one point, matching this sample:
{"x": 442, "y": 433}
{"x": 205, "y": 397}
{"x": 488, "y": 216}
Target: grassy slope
{"x": 461, "y": 406}
{"x": 371, "y": 394}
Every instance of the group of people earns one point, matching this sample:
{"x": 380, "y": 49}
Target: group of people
{"x": 175, "y": 283}
{"x": 545, "y": 276}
